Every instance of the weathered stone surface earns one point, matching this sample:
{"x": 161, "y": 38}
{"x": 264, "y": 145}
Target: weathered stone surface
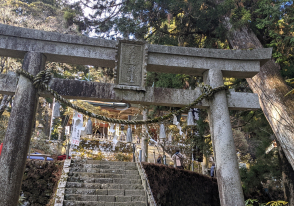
{"x": 74, "y": 89}
{"x": 8, "y": 83}
{"x": 18, "y": 133}
{"x": 8, "y": 30}
{"x": 116, "y": 192}
{"x": 227, "y": 169}
{"x": 124, "y": 199}
{"x": 255, "y": 54}
{"x": 193, "y": 65}
{"x": 15, "y": 41}
{"x": 130, "y": 69}
{"x": 57, "y": 51}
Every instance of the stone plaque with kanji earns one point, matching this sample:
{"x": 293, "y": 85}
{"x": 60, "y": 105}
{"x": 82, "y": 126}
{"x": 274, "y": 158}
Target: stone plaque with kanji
{"x": 130, "y": 70}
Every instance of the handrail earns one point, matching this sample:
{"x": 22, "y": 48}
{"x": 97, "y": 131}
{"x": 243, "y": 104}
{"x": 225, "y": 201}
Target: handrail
{"x": 147, "y": 188}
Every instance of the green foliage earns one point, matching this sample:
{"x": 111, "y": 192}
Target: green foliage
{"x": 165, "y": 80}
{"x": 240, "y": 15}
{"x": 21, "y": 200}
{"x": 290, "y": 81}
{"x": 257, "y": 129}
{"x": 200, "y": 140}
{"x": 273, "y": 23}
{"x": 69, "y": 16}
{"x": 264, "y": 172}
{"x": 240, "y": 141}
{"x": 254, "y": 202}
{"x": 276, "y": 18}
{"x": 277, "y": 203}
{"x": 250, "y": 202}
{"x": 262, "y": 180}
{"x": 54, "y": 133}
{"x": 162, "y": 22}
{"x": 123, "y": 157}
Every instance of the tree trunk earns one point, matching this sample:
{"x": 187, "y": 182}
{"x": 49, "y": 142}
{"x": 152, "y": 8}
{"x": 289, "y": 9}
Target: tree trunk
{"x": 271, "y": 88}
{"x": 4, "y": 103}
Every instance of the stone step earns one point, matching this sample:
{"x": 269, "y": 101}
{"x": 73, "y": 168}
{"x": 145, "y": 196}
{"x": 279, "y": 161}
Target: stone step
{"x": 104, "y": 198}
{"x": 81, "y": 162}
{"x": 102, "y": 175}
{"x": 103, "y": 186}
{"x": 104, "y": 183}
{"x": 100, "y": 170}
{"x": 85, "y": 179}
{"x": 116, "y": 192}
{"x": 110, "y": 163}
{"x": 91, "y": 203}
{"x": 104, "y": 166}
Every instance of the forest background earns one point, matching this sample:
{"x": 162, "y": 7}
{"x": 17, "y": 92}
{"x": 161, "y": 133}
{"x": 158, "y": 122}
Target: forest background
{"x": 229, "y": 24}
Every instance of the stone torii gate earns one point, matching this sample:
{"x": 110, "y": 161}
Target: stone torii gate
{"x": 131, "y": 60}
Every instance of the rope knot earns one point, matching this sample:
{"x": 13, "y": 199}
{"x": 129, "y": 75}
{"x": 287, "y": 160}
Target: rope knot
{"x": 41, "y": 77}
{"x": 39, "y": 80}
{"x": 205, "y": 89}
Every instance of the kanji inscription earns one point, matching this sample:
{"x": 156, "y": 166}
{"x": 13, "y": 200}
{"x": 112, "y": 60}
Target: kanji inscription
{"x": 131, "y": 65}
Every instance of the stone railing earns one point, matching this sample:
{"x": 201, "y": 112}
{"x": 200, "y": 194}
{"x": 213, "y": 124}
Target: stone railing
{"x": 146, "y": 185}
{"x": 59, "y": 196}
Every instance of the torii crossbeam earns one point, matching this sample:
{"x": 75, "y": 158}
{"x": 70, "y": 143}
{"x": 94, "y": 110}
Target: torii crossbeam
{"x": 131, "y": 60}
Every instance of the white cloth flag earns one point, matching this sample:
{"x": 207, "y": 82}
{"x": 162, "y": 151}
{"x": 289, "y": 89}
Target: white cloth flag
{"x": 196, "y": 113}
{"x": 175, "y": 120}
{"x": 111, "y": 128}
{"x": 77, "y": 128}
{"x": 115, "y": 142}
{"x": 180, "y": 128}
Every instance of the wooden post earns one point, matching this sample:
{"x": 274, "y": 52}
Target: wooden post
{"x": 19, "y": 131}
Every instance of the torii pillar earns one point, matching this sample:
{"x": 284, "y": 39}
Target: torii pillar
{"x": 227, "y": 169}
{"x": 19, "y": 131}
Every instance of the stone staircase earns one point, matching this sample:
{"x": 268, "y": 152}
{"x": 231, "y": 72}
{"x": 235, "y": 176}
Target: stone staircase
{"x": 104, "y": 183}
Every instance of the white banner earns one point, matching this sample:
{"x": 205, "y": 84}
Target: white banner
{"x": 77, "y": 127}
{"x": 67, "y": 130}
